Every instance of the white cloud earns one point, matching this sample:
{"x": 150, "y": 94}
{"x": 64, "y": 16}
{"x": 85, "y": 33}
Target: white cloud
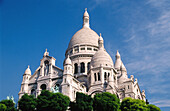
{"x": 149, "y": 46}
{"x": 161, "y": 102}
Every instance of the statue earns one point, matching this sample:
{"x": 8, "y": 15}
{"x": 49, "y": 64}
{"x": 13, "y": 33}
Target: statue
{"x": 46, "y": 67}
{"x": 10, "y": 98}
{"x": 7, "y": 97}
{"x": 55, "y": 89}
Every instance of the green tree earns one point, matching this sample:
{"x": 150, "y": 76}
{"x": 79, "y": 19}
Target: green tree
{"x": 106, "y": 102}
{"x": 10, "y": 106}
{"x": 48, "y": 101}
{"x": 27, "y": 103}
{"x": 83, "y": 103}
{"x": 152, "y": 107}
{"x": 2, "y": 107}
{"x": 129, "y": 104}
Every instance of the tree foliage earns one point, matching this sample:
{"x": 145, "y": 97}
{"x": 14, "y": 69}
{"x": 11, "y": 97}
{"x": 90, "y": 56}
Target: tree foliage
{"x": 10, "y": 106}
{"x": 27, "y": 103}
{"x": 106, "y": 102}
{"x": 152, "y": 107}
{"x": 129, "y": 104}
{"x": 83, "y": 103}
{"x": 2, "y": 107}
{"x": 48, "y": 101}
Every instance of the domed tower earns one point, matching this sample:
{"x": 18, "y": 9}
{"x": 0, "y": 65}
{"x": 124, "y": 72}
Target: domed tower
{"x": 121, "y": 69}
{"x": 25, "y": 82}
{"x": 102, "y": 75}
{"x": 82, "y": 47}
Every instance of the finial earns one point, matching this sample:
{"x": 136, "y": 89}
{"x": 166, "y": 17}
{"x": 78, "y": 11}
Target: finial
{"x": 100, "y": 34}
{"x": 117, "y": 54}
{"x": 86, "y": 19}
{"x": 46, "y": 53}
{"x": 28, "y": 66}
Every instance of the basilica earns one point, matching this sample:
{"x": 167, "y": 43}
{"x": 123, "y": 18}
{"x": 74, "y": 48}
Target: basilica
{"x": 87, "y": 68}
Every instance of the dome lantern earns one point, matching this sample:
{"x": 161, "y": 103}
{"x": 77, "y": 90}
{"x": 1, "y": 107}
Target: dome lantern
{"x": 101, "y": 45}
{"x": 86, "y": 19}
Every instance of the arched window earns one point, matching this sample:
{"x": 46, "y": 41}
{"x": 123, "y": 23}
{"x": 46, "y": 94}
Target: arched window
{"x": 43, "y": 87}
{"x": 82, "y": 67}
{"x": 98, "y": 76}
{"x": 88, "y": 66}
{"x": 105, "y": 76}
{"x": 108, "y": 74}
{"x": 75, "y": 68}
{"x": 95, "y": 76}
{"x": 33, "y": 92}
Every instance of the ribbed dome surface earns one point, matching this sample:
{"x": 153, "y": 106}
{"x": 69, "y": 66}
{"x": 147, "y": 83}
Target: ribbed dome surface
{"x": 84, "y": 36}
{"x": 101, "y": 57}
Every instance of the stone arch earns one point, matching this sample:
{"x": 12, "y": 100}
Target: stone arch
{"x": 33, "y": 92}
{"x": 96, "y": 92}
{"x": 43, "y": 87}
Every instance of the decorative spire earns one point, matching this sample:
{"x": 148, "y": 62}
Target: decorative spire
{"x": 86, "y": 19}
{"x": 117, "y": 55}
{"x": 46, "y": 53}
{"x": 101, "y": 46}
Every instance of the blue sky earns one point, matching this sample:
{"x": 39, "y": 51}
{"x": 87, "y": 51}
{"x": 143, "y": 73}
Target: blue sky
{"x": 139, "y": 29}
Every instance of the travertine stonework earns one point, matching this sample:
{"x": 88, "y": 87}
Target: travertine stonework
{"x": 88, "y": 68}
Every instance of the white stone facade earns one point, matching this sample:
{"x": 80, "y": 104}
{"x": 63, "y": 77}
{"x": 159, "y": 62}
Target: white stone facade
{"x": 88, "y": 68}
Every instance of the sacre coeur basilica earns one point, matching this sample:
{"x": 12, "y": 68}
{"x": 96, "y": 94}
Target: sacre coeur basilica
{"x": 88, "y": 68}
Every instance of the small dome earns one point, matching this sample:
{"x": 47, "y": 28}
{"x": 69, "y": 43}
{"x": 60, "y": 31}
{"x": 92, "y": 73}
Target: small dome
{"x": 67, "y": 61}
{"x": 84, "y": 36}
{"x": 101, "y": 57}
{"x": 28, "y": 71}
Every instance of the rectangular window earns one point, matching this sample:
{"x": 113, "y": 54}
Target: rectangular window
{"x": 83, "y": 48}
{"x": 95, "y": 49}
{"x": 89, "y": 48}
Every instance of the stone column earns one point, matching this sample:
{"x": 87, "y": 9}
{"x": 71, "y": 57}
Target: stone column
{"x": 50, "y": 69}
{"x": 92, "y": 78}
{"x": 101, "y": 74}
{"x": 42, "y": 70}
{"x": 79, "y": 67}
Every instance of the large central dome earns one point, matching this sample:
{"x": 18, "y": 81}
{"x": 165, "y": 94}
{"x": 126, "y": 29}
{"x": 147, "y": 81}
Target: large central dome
{"x": 84, "y": 36}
